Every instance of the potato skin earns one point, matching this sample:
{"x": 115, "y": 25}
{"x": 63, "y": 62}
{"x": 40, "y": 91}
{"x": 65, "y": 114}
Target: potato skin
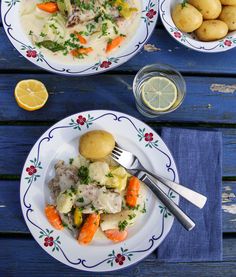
{"x": 211, "y": 30}
{"x": 186, "y": 18}
{"x": 228, "y": 15}
{"x": 210, "y": 9}
{"x": 228, "y": 2}
{"x": 96, "y": 144}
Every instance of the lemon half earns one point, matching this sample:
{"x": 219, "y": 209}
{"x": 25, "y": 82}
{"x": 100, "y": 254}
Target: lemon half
{"x": 31, "y": 94}
{"x": 159, "y": 93}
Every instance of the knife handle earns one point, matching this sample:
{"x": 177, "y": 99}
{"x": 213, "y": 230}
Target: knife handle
{"x": 185, "y": 220}
{"x": 193, "y": 197}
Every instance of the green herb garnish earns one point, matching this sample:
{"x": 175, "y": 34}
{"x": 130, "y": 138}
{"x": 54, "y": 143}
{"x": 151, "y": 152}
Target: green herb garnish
{"x": 83, "y": 174}
{"x": 81, "y": 200}
{"x": 122, "y": 225}
{"x": 109, "y": 175}
{"x": 51, "y": 45}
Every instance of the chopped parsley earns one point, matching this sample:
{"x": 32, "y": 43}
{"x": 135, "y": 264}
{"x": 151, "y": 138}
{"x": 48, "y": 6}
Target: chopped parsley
{"x": 71, "y": 161}
{"x": 50, "y": 45}
{"x": 183, "y": 4}
{"x": 109, "y": 175}
{"x": 143, "y": 209}
{"x": 104, "y": 29}
{"x": 83, "y": 174}
{"x": 122, "y": 225}
{"x": 135, "y": 208}
{"x": 31, "y": 33}
{"x": 42, "y": 35}
{"x": 80, "y": 200}
{"x": 131, "y": 216}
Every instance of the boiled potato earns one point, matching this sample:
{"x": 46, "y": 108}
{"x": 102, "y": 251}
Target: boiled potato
{"x": 212, "y": 30}
{"x": 228, "y": 2}
{"x": 187, "y": 18}
{"x": 96, "y": 144}
{"x": 210, "y": 9}
{"x": 228, "y": 15}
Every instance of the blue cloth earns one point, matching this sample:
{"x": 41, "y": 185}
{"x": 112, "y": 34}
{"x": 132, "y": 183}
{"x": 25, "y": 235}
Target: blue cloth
{"x": 198, "y": 156}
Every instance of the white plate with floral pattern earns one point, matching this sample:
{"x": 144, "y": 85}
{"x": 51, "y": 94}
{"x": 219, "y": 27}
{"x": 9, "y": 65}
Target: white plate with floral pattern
{"x": 10, "y": 11}
{"x": 61, "y": 142}
{"x": 189, "y": 39}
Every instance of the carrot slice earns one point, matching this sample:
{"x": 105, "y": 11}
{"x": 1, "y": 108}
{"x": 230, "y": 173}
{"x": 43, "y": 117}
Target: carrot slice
{"x": 81, "y": 39}
{"x": 114, "y": 43}
{"x": 77, "y": 52}
{"x": 53, "y": 217}
{"x": 115, "y": 235}
{"x": 89, "y": 229}
{"x": 132, "y": 191}
{"x": 50, "y": 7}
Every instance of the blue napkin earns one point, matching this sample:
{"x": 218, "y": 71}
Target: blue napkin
{"x": 198, "y": 156}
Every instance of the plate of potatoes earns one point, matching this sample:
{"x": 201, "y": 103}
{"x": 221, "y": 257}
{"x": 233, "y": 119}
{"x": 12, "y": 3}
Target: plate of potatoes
{"x": 202, "y": 25}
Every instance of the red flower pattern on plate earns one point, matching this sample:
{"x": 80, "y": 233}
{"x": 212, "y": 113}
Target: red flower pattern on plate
{"x": 228, "y": 42}
{"x": 48, "y": 241}
{"x": 31, "y": 53}
{"x": 31, "y": 170}
{"x": 151, "y": 13}
{"x": 105, "y": 64}
{"x": 81, "y": 120}
{"x": 177, "y": 34}
{"x": 148, "y": 136}
{"x": 120, "y": 259}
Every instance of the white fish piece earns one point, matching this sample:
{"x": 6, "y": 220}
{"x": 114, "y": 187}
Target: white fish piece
{"x": 66, "y": 176}
{"x": 65, "y": 201}
{"x": 96, "y": 198}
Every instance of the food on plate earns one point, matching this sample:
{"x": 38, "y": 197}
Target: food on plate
{"x": 80, "y": 31}
{"x": 228, "y": 15}
{"x": 210, "y": 9}
{"x": 96, "y": 144}
{"x": 212, "y": 30}
{"x": 31, "y": 94}
{"x": 186, "y": 17}
{"x": 216, "y": 20}
{"x": 228, "y": 2}
{"x": 91, "y": 195}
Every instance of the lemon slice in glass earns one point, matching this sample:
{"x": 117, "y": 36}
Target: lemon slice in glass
{"x": 31, "y": 94}
{"x": 159, "y": 93}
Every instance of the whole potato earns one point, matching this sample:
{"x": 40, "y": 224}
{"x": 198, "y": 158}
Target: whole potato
{"x": 210, "y": 9}
{"x": 212, "y": 30}
{"x": 96, "y": 144}
{"x": 228, "y": 15}
{"x": 186, "y": 18}
{"x": 228, "y": 2}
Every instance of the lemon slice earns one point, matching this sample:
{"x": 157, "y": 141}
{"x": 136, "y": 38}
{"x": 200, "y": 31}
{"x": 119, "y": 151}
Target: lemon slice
{"x": 159, "y": 93}
{"x": 31, "y": 95}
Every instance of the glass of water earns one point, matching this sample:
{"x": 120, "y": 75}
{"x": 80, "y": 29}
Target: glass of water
{"x": 158, "y": 89}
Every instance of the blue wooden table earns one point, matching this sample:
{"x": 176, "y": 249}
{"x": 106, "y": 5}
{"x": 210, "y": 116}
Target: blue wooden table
{"x": 210, "y": 103}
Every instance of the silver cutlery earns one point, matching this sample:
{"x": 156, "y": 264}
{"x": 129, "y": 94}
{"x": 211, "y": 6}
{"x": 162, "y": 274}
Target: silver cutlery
{"x": 185, "y": 220}
{"x": 131, "y": 162}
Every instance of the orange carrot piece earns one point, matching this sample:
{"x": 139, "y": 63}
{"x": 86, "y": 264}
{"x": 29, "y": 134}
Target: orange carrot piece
{"x": 77, "y": 52}
{"x": 50, "y": 7}
{"x": 132, "y": 191}
{"x": 89, "y": 229}
{"x": 81, "y": 39}
{"x": 115, "y": 235}
{"x": 114, "y": 43}
{"x": 53, "y": 217}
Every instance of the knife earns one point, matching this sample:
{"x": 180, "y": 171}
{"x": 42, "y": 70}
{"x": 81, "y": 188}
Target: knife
{"x": 184, "y": 219}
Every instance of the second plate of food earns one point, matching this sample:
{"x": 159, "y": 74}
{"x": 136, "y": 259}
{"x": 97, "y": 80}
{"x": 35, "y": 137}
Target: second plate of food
{"x": 84, "y": 209}
{"x": 79, "y": 37}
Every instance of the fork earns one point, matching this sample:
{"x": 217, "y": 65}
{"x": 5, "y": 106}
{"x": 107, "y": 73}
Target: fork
{"x": 131, "y": 162}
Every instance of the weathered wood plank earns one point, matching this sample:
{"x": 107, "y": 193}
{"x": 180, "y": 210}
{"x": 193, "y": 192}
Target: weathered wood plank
{"x": 31, "y": 260}
{"x": 170, "y": 52}
{"x": 16, "y": 142}
{"x": 11, "y": 218}
{"x": 68, "y": 96}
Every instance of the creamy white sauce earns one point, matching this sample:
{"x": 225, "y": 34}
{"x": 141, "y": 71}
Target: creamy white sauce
{"x": 34, "y": 19}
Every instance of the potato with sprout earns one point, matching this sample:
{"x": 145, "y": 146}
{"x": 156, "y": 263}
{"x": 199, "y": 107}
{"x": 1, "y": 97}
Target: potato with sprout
{"x": 186, "y": 17}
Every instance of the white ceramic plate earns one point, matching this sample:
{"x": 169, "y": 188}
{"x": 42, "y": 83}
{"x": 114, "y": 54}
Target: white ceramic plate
{"x": 17, "y": 36}
{"x": 189, "y": 39}
{"x": 61, "y": 142}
